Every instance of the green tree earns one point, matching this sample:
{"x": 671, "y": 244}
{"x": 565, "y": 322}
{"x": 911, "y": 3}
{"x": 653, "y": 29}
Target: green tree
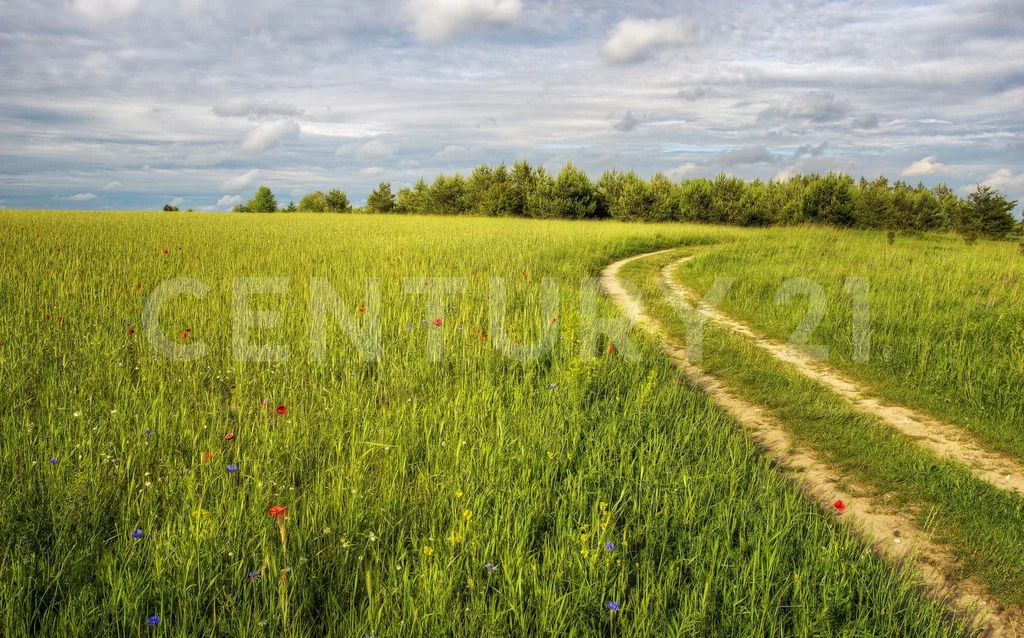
{"x": 381, "y": 200}
{"x": 170, "y": 209}
{"x": 262, "y": 202}
{"x": 989, "y": 213}
{"x": 315, "y": 202}
{"x": 573, "y": 195}
{"x": 291, "y": 207}
{"x": 829, "y": 200}
{"x": 336, "y": 201}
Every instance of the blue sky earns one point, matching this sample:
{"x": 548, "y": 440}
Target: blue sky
{"x": 137, "y": 103}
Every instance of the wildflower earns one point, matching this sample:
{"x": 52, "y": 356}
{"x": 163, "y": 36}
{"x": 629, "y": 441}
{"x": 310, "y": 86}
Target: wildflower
{"x": 467, "y": 514}
{"x": 551, "y": 386}
{"x": 149, "y": 432}
{"x": 278, "y": 512}
{"x": 458, "y": 494}
{"x": 344, "y": 543}
{"x": 53, "y": 459}
{"x": 428, "y": 551}
{"x": 362, "y": 308}
{"x": 207, "y": 457}
{"x": 154, "y": 620}
{"x": 614, "y": 606}
{"x": 611, "y": 349}
{"x": 469, "y": 582}
{"x": 232, "y": 469}
{"x": 840, "y": 506}
{"x": 255, "y": 575}
{"x": 282, "y": 410}
{"x": 438, "y": 322}
{"x": 136, "y": 533}
{"x": 491, "y": 568}
{"x": 609, "y": 546}
{"x": 230, "y": 436}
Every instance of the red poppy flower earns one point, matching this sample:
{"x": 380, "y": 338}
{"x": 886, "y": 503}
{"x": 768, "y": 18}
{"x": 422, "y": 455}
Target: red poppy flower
{"x": 207, "y": 457}
{"x": 165, "y": 251}
{"x": 230, "y": 436}
{"x": 183, "y": 335}
{"x": 438, "y": 322}
{"x": 611, "y": 349}
{"x": 278, "y": 512}
{"x": 282, "y": 410}
{"x": 483, "y": 336}
{"x": 138, "y": 286}
{"x": 362, "y": 308}
{"x": 131, "y": 333}
{"x": 60, "y": 319}
{"x": 840, "y": 506}
{"x": 679, "y": 382}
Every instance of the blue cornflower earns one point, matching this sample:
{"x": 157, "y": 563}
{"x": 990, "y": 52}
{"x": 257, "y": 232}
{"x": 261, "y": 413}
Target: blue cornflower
{"x": 154, "y": 621}
{"x": 232, "y": 469}
{"x": 614, "y": 606}
{"x": 255, "y": 575}
{"x": 148, "y": 432}
{"x": 53, "y": 460}
{"x": 491, "y": 568}
{"x": 609, "y": 546}
{"x": 136, "y": 533}
{"x": 552, "y": 386}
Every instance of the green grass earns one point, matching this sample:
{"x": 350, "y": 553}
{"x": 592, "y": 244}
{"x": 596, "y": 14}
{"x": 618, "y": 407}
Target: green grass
{"x": 983, "y": 525}
{"x": 947, "y": 319}
{"x": 403, "y": 477}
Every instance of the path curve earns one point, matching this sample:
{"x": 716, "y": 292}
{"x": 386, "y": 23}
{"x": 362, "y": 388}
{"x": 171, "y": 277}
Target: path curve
{"x": 943, "y": 439}
{"x": 892, "y": 534}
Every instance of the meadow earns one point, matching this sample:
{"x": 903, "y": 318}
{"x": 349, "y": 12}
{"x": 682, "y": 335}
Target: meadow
{"x": 573, "y": 490}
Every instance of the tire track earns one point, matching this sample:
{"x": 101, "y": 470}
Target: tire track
{"x": 945, "y": 440}
{"x": 892, "y": 534}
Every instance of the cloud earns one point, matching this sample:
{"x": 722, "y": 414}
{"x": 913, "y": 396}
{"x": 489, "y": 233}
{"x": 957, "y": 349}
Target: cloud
{"x": 868, "y": 121}
{"x": 682, "y": 171}
{"x": 241, "y": 182}
{"x": 81, "y": 197}
{"x": 457, "y": 152}
{"x": 1004, "y": 180}
{"x": 255, "y": 109}
{"x": 818, "y": 165}
{"x": 751, "y": 155}
{"x": 627, "y": 124}
{"x": 692, "y": 93}
{"x": 928, "y": 166}
{"x": 810, "y": 151}
{"x": 177, "y": 201}
{"x": 816, "y": 106}
{"x": 437, "y": 21}
{"x": 105, "y": 10}
{"x": 372, "y": 150}
{"x": 633, "y": 40}
{"x": 372, "y": 171}
{"x": 112, "y": 186}
{"x": 269, "y": 134}
{"x": 228, "y": 201}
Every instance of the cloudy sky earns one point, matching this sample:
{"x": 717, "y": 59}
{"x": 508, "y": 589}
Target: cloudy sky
{"x": 136, "y": 103}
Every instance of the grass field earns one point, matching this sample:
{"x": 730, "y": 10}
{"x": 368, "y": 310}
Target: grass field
{"x": 947, "y": 319}
{"x": 578, "y": 492}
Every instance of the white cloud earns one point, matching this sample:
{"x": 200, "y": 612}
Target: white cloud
{"x": 819, "y": 165}
{"x": 372, "y": 150}
{"x": 1006, "y": 181}
{"x": 269, "y": 134}
{"x": 928, "y": 166}
{"x": 81, "y": 197}
{"x": 440, "y": 20}
{"x": 633, "y": 40}
{"x": 228, "y": 201}
{"x": 112, "y": 186}
{"x": 255, "y": 109}
{"x": 456, "y": 152}
{"x": 241, "y": 182}
{"x": 372, "y": 171}
{"x": 105, "y": 10}
{"x": 682, "y": 171}
{"x": 177, "y": 201}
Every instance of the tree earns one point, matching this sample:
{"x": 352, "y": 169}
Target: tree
{"x": 381, "y": 200}
{"x": 291, "y": 207}
{"x": 336, "y": 201}
{"x": 315, "y": 202}
{"x": 170, "y": 209}
{"x": 449, "y": 196}
{"x": 573, "y": 195}
{"x": 262, "y": 202}
{"x": 989, "y": 213}
{"x": 829, "y": 200}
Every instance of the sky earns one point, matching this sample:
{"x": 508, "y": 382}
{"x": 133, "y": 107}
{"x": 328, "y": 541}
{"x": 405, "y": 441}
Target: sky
{"x": 138, "y": 103}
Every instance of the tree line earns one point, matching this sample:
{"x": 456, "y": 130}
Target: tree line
{"x": 834, "y": 199}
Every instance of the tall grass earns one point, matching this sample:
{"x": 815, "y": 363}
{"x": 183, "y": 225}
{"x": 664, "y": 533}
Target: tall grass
{"x": 947, "y": 319}
{"x": 477, "y": 495}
